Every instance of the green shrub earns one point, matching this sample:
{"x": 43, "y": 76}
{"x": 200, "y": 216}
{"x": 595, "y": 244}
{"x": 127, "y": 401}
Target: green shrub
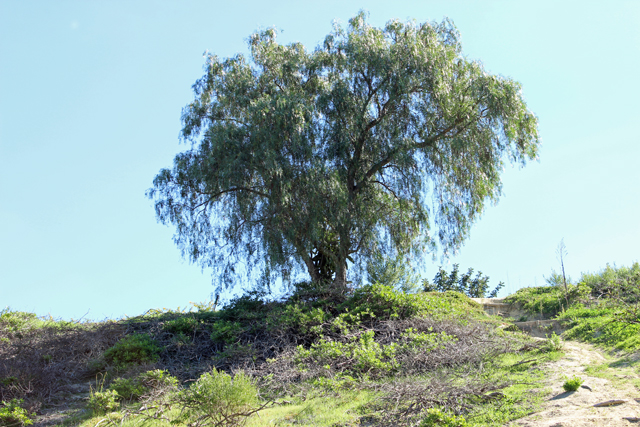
{"x": 102, "y": 402}
{"x": 158, "y": 378}
{"x": 134, "y": 388}
{"x": 183, "y": 325}
{"x": 298, "y": 318}
{"x": 382, "y": 302}
{"x": 128, "y": 388}
{"x": 226, "y": 332}
{"x": 218, "y": 399}
{"x": 621, "y": 283}
{"x": 133, "y": 349}
{"x": 246, "y": 307}
{"x": 435, "y": 417}
{"x": 12, "y": 414}
{"x": 572, "y": 384}
{"x": 413, "y": 340}
{"x": 361, "y": 355}
{"x": 17, "y": 322}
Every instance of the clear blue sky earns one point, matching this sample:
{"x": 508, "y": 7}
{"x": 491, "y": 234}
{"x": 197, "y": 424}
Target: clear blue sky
{"x": 90, "y": 101}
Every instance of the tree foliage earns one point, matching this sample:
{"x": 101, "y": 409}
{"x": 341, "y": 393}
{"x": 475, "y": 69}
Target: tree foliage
{"x": 381, "y": 139}
{"x": 473, "y": 287}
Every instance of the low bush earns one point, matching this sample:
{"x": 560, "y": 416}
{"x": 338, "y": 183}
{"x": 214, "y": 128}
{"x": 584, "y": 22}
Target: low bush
{"x": 226, "y": 332}
{"x": 12, "y": 414}
{"x": 186, "y": 325}
{"x": 147, "y": 384}
{"x": 133, "y": 349}
{"x": 103, "y": 402}
{"x": 572, "y": 384}
{"x": 217, "y": 399}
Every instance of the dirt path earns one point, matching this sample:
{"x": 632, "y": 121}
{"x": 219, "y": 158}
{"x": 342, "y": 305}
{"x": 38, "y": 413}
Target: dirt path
{"x": 577, "y": 409}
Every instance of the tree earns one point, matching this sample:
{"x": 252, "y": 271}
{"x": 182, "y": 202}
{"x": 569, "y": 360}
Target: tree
{"x": 474, "y": 288}
{"x": 316, "y": 160}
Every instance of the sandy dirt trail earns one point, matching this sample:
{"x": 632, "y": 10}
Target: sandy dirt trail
{"x": 576, "y": 409}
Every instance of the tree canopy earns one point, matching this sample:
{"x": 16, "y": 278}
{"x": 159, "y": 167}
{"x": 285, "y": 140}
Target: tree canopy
{"x": 379, "y": 140}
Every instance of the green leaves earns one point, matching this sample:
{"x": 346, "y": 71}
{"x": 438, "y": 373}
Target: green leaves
{"x": 304, "y": 160}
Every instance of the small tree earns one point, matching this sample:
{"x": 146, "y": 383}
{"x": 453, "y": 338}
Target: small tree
{"x": 311, "y": 160}
{"x": 561, "y": 252}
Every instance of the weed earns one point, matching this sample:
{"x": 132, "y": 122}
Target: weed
{"x": 572, "y": 384}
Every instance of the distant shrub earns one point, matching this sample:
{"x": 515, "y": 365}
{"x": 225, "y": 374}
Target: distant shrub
{"x": 572, "y": 384}
{"x": 183, "y": 325}
{"x": 218, "y": 399}
{"x": 225, "y": 331}
{"x": 133, "y": 349}
{"x": 246, "y": 307}
{"x": 621, "y": 283}
{"x": 18, "y": 322}
{"x": 12, "y": 414}
{"x": 435, "y": 417}
{"x": 379, "y": 302}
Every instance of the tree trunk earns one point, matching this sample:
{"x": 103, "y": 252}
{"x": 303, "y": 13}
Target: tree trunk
{"x": 339, "y": 284}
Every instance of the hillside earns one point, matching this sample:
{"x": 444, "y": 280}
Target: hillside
{"x": 375, "y": 357}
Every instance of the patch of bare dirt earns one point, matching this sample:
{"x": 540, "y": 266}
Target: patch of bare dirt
{"x": 620, "y": 401}
{"x": 600, "y": 402}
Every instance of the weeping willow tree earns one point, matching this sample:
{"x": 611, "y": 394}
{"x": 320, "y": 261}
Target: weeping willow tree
{"x": 380, "y": 139}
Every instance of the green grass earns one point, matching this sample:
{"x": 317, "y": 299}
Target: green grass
{"x": 601, "y": 325}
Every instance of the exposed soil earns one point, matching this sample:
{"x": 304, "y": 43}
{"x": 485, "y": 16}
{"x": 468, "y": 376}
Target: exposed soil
{"x": 577, "y": 409}
{"x": 619, "y": 397}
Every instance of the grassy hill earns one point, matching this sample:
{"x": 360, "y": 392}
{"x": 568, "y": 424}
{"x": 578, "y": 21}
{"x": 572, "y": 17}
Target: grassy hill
{"x": 375, "y": 357}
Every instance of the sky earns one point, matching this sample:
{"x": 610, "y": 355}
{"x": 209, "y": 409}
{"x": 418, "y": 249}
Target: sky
{"x": 90, "y": 101}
